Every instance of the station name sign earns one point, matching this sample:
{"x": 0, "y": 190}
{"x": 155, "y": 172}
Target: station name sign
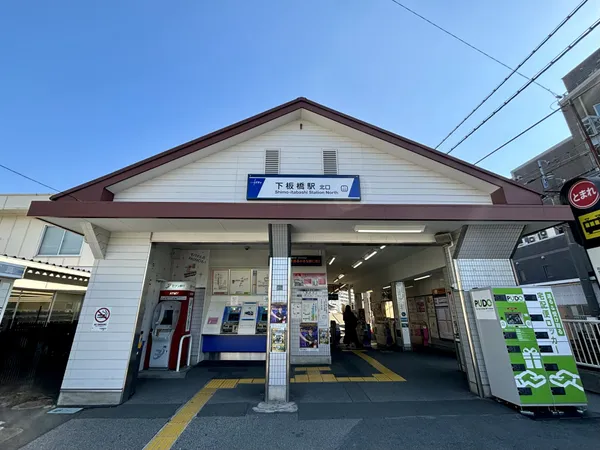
{"x": 303, "y": 187}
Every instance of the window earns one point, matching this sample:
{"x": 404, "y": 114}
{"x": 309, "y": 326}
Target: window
{"x": 57, "y": 241}
{"x": 330, "y": 162}
{"x": 272, "y": 161}
{"x": 597, "y": 109}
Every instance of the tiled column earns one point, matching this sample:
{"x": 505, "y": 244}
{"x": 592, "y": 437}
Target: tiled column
{"x": 277, "y": 378}
{"x": 479, "y": 258}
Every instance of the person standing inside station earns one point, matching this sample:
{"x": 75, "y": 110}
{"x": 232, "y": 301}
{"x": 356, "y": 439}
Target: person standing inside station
{"x": 350, "y": 322}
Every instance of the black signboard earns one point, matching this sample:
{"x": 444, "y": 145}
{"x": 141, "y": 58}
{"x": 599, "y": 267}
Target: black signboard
{"x": 307, "y": 261}
{"x": 583, "y": 196}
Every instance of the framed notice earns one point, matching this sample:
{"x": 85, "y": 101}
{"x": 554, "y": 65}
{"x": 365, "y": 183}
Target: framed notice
{"x": 220, "y": 282}
{"x": 240, "y": 282}
{"x": 310, "y": 311}
{"x": 261, "y": 277}
{"x": 310, "y": 280}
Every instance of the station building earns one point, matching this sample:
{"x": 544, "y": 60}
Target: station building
{"x": 297, "y": 202}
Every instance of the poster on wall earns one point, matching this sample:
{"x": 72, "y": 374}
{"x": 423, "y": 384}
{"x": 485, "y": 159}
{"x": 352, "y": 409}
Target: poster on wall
{"x": 279, "y": 313}
{"x": 296, "y": 310}
{"x": 261, "y": 281}
{"x": 310, "y": 280}
{"x": 240, "y": 282}
{"x": 323, "y": 336}
{"x": 278, "y": 338}
{"x": 310, "y": 312}
{"x": 191, "y": 265}
{"x": 309, "y": 336}
{"x": 220, "y": 282}
{"x": 432, "y": 318}
{"x": 323, "y": 313}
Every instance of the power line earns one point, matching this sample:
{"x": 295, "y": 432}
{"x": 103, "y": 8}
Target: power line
{"x": 468, "y": 44}
{"x": 517, "y": 136}
{"x": 533, "y": 126}
{"x": 487, "y": 97}
{"x": 526, "y": 85}
{"x": 34, "y": 180}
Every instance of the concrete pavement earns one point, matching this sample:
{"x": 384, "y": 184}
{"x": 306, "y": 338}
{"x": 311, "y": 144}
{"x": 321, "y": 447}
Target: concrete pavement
{"x": 432, "y": 409}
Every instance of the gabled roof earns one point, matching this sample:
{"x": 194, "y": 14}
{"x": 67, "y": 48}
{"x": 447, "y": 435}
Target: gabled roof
{"x": 508, "y": 192}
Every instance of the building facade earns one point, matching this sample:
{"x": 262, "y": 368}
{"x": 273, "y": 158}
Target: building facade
{"x": 45, "y": 269}
{"x": 266, "y": 213}
{"x": 551, "y": 256}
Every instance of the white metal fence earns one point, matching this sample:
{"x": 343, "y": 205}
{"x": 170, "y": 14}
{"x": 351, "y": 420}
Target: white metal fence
{"x": 584, "y": 336}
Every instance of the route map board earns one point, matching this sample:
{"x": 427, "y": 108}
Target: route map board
{"x": 526, "y": 348}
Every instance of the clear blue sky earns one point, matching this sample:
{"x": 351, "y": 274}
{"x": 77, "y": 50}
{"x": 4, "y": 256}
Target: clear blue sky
{"x": 89, "y": 87}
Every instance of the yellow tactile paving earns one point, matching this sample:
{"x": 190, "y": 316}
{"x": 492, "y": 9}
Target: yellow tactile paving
{"x": 245, "y": 381}
{"x": 301, "y": 378}
{"x": 370, "y": 379}
{"x": 215, "y": 384}
{"x": 328, "y": 378}
{"x": 292, "y": 380}
{"x": 229, "y": 384}
{"x": 327, "y": 369}
{"x": 356, "y": 378}
{"x": 342, "y": 379}
{"x": 315, "y": 378}
{"x": 376, "y": 364}
{"x": 166, "y": 437}
{"x": 258, "y": 380}
{"x": 381, "y": 377}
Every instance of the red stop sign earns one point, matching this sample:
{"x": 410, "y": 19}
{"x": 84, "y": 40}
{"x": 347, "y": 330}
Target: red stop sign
{"x": 583, "y": 194}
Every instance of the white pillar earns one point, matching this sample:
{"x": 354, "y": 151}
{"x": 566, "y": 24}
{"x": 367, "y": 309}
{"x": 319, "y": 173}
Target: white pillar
{"x": 99, "y": 360}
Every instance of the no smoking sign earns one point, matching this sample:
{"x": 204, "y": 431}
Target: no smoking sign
{"x": 101, "y": 319}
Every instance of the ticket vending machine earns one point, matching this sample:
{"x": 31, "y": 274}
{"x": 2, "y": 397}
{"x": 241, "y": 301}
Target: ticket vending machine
{"x": 171, "y": 321}
{"x": 262, "y": 320}
{"x": 231, "y": 319}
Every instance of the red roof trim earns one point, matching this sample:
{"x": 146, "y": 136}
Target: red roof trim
{"x": 94, "y": 190}
{"x": 299, "y": 211}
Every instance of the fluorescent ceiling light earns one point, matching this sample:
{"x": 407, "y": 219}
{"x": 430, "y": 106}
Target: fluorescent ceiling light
{"x": 343, "y": 285}
{"x": 370, "y": 291}
{"x": 370, "y": 255}
{"x": 387, "y": 287}
{"x": 408, "y": 287}
{"x": 388, "y": 229}
{"x": 356, "y": 264}
{"x": 382, "y": 247}
{"x": 341, "y": 275}
{"x": 422, "y": 278}
{"x": 336, "y": 280}
{"x": 331, "y": 260}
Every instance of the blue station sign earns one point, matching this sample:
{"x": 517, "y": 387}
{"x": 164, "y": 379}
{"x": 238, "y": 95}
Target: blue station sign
{"x": 303, "y": 187}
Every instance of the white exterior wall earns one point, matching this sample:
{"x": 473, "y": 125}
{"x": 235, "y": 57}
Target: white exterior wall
{"x": 385, "y": 179}
{"x": 98, "y": 361}
{"x": 21, "y": 236}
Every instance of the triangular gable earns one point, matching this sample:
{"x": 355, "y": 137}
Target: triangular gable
{"x": 385, "y": 178}
{"x": 507, "y": 191}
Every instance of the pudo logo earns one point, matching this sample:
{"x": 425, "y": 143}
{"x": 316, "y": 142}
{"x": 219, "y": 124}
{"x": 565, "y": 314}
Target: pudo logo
{"x": 483, "y": 303}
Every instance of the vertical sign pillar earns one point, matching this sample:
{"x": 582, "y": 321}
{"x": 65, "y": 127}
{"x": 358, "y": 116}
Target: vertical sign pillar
{"x": 278, "y": 339}
{"x": 399, "y": 294}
